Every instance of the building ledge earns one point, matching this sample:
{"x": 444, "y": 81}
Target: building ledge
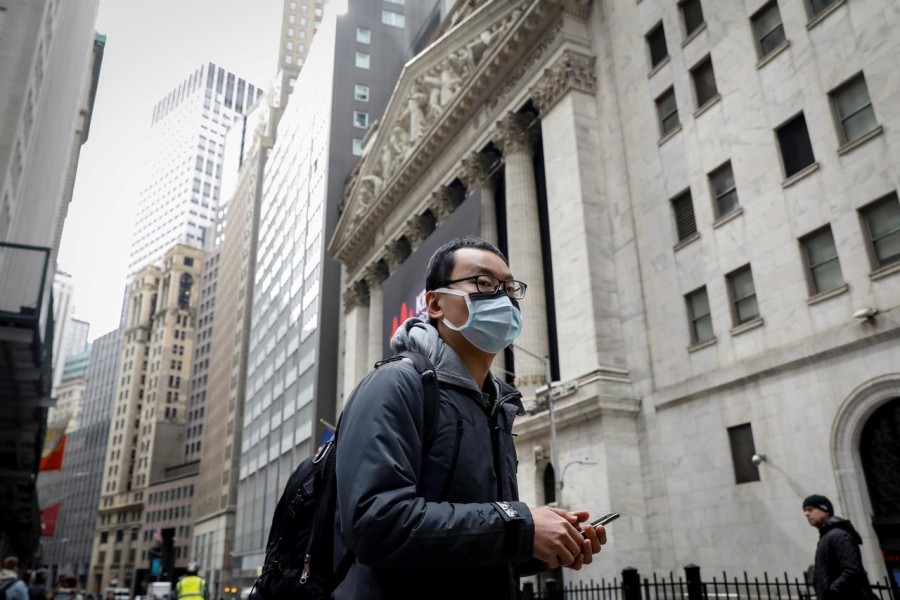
{"x": 824, "y": 14}
{"x": 850, "y": 146}
{"x": 707, "y": 105}
{"x": 745, "y": 327}
{"x": 827, "y": 295}
{"x": 701, "y": 345}
{"x": 728, "y": 217}
{"x": 696, "y": 33}
{"x": 771, "y": 55}
{"x": 885, "y": 271}
{"x": 669, "y": 135}
{"x": 659, "y": 67}
{"x": 801, "y": 174}
{"x": 686, "y": 241}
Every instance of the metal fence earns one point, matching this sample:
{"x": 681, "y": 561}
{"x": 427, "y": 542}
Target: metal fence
{"x": 691, "y": 587}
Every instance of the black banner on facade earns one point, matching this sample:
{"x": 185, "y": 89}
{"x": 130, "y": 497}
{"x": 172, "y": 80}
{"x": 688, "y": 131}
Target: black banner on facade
{"x": 404, "y": 290}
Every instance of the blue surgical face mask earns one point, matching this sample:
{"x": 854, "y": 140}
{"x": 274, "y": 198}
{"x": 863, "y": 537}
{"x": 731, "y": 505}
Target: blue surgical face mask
{"x": 494, "y": 320}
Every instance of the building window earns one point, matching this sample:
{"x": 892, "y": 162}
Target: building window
{"x": 699, "y": 316}
{"x": 361, "y": 92}
{"x": 683, "y": 210}
{"x": 290, "y": 32}
{"x": 692, "y": 15}
{"x": 360, "y": 119}
{"x": 363, "y": 35}
{"x": 822, "y": 265}
{"x": 362, "y": 60}
{"x": 721, "y": 182}
{"x": 667, "y": 111}
{"x": 104, "y": 536}
{"x": 816, "y": 7}
{"x": 742, "y": 451}
{"x": 743, "y": 296}
{"x": 796, "y": 149}
{"x": 882, "y": 223}
{"x": 704, "y": 82}
{"x": 768, "y": 29}
{"x": 853, "y": 109}
{"x": 394, "y": 19}
{"x": 400, "y": 2}
{"x": 289, "y": 45}
{"x": 656, "y": 42}
{"x": 357, "y": 147}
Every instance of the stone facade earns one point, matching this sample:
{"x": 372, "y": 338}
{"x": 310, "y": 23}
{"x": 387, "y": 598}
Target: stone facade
{"x": 656, "y": 407}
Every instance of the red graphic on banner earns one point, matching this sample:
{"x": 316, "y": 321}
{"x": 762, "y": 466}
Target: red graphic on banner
{"x": 49, "y": 516}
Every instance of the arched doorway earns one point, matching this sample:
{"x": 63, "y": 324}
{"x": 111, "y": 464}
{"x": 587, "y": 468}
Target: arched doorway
{"x": 879, "y": 451}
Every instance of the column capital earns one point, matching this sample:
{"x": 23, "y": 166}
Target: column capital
{"x": 512, "y": 133}
{"x": 394, "y": 254}
{"x": 374, "y": 274}
{"x": 416, "y": 230}
{"x": 442, "y": 203}
{"x": 475, "y": 170}
{"x": 355, "y": 294}
{"x": 571, "y": 71}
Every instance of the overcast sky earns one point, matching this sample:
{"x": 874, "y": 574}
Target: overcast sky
{"x": 151, "y": 47}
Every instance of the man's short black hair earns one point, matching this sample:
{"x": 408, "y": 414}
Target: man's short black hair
{"x": 442, "y": 262}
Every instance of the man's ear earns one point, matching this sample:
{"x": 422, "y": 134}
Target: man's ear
{"x": 433, "y": 306}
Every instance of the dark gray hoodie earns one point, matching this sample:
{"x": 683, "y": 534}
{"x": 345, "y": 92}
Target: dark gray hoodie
{"x": 444, "y": 525}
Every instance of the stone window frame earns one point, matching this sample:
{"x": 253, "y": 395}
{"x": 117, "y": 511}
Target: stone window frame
{"x": 658, "y": 27}
{"x": 693, "y": 319}
{"x": 809, "y": 267}
{"x": 758, "y": 38}
{"x": 734, "y": 301}
{"x": 875, "y": 261}
{"x": 716, "y": 196}
{"x": 695, "y": 71}
{"x": 840, "y": 120}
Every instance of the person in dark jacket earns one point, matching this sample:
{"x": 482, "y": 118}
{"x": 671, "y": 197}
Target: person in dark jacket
{"x": 447, "y": 523}
{"x": 839, "y": 573}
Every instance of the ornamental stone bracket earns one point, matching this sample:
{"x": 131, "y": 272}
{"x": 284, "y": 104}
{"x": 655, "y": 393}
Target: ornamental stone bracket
{"x": 571, "y": 71}
{"x": 355, "y": 294}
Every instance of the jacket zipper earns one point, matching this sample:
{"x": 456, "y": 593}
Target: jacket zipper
{"x": 456, "y": 448}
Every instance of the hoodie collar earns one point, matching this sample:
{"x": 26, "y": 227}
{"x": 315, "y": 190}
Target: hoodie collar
{"x": 415, "y": 335}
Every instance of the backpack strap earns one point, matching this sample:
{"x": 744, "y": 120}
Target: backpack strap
{"x": 430, "y": 384}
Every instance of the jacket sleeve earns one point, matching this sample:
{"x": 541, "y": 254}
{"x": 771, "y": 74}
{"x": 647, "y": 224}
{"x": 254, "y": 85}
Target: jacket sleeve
{"x": 846, "y": 554}
{"x": 383, "y": 518}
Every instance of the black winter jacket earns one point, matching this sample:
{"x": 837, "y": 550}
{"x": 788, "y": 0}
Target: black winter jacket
{"x": 444, "y": 525}
{"x": 839, "y": 574}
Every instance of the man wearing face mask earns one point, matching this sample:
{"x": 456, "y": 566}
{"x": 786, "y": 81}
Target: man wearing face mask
{"x": 445, "y": 521}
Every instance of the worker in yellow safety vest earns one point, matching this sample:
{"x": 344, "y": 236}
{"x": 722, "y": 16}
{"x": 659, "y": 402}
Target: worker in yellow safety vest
{"x": 192, "y": 586}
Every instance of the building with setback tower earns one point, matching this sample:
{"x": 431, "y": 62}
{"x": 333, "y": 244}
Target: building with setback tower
{"x": 345, "y": 83}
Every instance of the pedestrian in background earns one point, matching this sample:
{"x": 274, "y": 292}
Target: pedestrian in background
{"x": 192, "y": 586}
{"x": 11, "y": 587}
{"x": 839, "y": 573}
{"x": 37, "y": 589}
{"x": 446, "y": 521}
{"x": 66, "y": 589}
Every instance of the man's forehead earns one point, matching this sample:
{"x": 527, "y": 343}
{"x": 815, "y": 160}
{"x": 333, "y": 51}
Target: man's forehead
{"x": 472, "y": 261}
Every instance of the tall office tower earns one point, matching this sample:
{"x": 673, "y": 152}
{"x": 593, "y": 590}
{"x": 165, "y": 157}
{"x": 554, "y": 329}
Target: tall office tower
{"x": 343, "y": 87}
{"x": 216, "y": 497}
{"x": 46, "y": 51}
{"x": 147, "y": 435}
{"x": 299, "y": 23}
{"x": 184, "y": 169}
{"x": 77, "y": 486}
{"x": 702, "y": 197}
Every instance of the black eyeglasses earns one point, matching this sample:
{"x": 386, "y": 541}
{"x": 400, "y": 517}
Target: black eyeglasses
{"x": 488, "y": 284}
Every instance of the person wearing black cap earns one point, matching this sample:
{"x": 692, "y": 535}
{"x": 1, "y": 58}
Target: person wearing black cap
{"x": 839, "y": 573}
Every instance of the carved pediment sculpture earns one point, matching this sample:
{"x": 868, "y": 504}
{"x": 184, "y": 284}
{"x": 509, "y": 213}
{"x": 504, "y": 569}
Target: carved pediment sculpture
{"x": 425, "y": 100}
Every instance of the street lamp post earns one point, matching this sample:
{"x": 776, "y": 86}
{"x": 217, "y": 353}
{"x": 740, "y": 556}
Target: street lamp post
{"x": 557, "y": 481}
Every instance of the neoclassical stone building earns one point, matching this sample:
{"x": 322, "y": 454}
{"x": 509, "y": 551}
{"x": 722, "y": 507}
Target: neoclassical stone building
{"x": 699, "y": 195}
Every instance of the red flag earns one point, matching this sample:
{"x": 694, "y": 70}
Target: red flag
{"x": 54, "y": 445}
{"x": 48, "y": 519}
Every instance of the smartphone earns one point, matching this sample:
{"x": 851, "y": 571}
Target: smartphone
{"x": 603, "y": 520}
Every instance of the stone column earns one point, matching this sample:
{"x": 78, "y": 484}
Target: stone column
{"x": 356, "y": 338}
{"x": 374, "y": 276}
{"x": 580, "y": 229}
{"x": 515, "y": 139}
{"x": 476, "y": 173}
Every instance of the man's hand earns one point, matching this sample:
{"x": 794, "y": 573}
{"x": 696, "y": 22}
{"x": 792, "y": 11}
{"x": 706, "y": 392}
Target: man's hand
{"x": 556, "y": 540}
{"x": 594, "y": 538}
